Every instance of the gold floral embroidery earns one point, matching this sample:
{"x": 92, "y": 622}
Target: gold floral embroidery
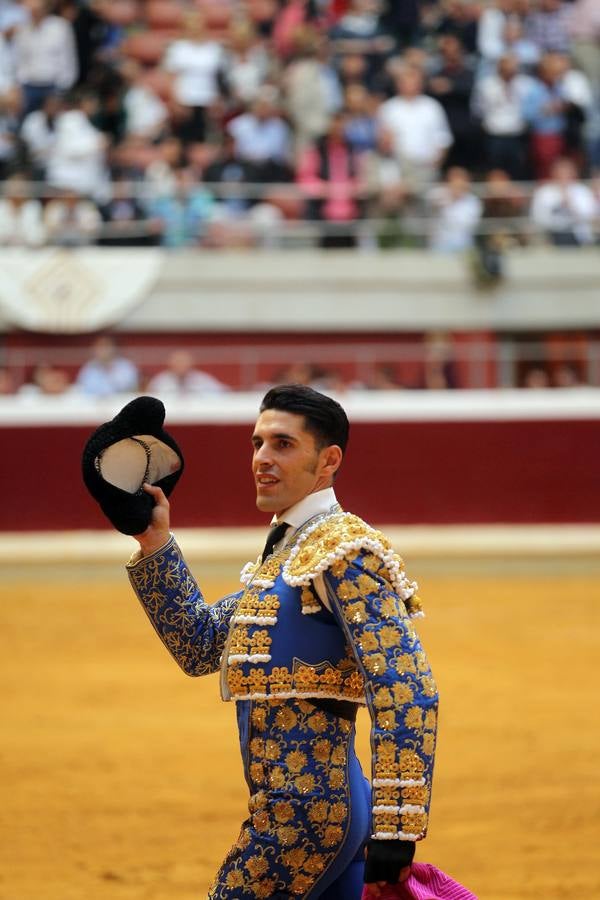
{"x": 414, "y": 718}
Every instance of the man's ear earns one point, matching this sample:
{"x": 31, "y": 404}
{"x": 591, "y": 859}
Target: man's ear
{"x": 331, "y": 460}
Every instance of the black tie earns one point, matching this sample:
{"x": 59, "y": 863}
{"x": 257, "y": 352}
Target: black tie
{"x": 273, "y": 537}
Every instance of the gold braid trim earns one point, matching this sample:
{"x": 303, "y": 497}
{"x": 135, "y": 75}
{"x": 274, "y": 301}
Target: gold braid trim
{"x": 343, "y": 536}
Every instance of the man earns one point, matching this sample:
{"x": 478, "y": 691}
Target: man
{"x": 419, "y": 128}
{"x": 45, "y": 55}
{"x": 322, "y": 624}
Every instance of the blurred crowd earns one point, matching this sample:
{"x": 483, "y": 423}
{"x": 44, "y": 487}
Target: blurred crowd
{"x": 220, "y": 123}
{"x": 434, "y": 363}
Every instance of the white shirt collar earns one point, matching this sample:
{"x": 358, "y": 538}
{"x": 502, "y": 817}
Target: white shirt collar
{"x": 309, "y": 506}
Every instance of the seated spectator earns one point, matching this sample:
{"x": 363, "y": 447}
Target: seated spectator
{"x": 491, "y": 30}
{"x": 566, "y": 375}
{"x": 196, "y": 63}
{"x": 107, "y": 372}
{"x": 38, "y": 133}
{"x": 46, "y": 381}
{"x": 246, "y": 64}
{"x": 181, "y": 214}
{"x": 263, "y": 138}
{"x": 383, "y": 378}
{"x": 307, "y": 90}
{"x": 90, "y": 30}
{"x": 545, "y": 111}
{"x": 536, "y": 378}
{"x": 360, "y": 30}
{"x": 547, "y": 26}
{"x": 419, "y": 128}
{"x": 45, "y": 55}
{"x": 578, "y": 96}
{"x": 451, "y": 84}
{"x": 77, "y": 159}
{"x": 455, "y": 17}
{"x": 564, "y": 209}
{"x": 518, "y": 45}
{"x": 160, "y": 175}
{"x": 498, "y": 100}
{"x": 145, "y": 113}
{"x": 504, "y": 208}
{"x": 7, "y": 383}
{"x": 230, "y": 169}
{"x": 292, "y": 16}
{"x": 439, "y": 365}
{"x": 21, "y": 216}
{"x": 180, "y": 378}
{"x": 360, "y": 128}
{"x": 124, "y": 218}
{"x": 387, "y": 191}
{"x": 456, "y": 212}
{"x": 331, "y": 176}
{"x": 71, "y": 220}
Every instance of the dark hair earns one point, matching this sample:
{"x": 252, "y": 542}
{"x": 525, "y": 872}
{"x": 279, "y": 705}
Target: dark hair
{"x": 323, "y": 416}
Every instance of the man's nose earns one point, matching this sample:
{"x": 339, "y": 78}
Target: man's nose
{"x": 263, "y": 456}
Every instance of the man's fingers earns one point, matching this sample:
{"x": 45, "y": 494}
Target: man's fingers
{"x": 157, "y": 493}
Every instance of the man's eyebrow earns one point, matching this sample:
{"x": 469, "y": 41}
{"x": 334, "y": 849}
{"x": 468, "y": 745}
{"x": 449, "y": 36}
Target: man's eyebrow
{"x": 279, "y": 436}
{"x": 283, "y": 436}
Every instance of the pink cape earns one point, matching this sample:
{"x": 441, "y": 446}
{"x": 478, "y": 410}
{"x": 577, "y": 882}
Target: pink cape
{"x": 425, "y": 883}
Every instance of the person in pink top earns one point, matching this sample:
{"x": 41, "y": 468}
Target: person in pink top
{"x": 330, "y": 175}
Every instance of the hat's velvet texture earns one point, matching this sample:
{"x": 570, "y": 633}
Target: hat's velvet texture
{"x": 126, "y": 452}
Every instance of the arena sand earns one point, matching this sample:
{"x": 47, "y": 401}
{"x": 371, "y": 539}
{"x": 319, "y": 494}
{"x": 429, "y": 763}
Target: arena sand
{"x": 120, "y": 776}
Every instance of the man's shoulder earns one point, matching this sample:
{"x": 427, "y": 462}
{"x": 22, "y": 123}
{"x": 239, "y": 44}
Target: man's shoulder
{"x": 341, "y": 543}
{"x": 341, "y": 535}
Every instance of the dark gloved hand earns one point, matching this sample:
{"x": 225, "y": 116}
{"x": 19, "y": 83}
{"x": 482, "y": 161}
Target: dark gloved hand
{"x": 386, "y": 859}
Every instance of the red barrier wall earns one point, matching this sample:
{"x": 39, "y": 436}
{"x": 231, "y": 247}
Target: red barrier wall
{"x": 394, "y": 472}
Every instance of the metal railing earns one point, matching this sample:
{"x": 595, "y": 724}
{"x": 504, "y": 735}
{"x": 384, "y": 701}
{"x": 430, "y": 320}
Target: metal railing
{"x": 475, "y": 365}
{"x": 411, "y": 225}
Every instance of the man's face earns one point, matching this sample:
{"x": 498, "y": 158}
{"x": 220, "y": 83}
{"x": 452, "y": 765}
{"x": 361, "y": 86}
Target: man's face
{"x": 286, "y": 464}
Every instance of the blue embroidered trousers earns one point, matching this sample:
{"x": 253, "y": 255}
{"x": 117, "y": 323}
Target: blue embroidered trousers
{"x": 309, "y": 807}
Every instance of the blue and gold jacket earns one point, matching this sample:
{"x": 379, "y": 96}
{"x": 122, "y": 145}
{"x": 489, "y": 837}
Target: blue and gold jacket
{"x": 275, "y": 638}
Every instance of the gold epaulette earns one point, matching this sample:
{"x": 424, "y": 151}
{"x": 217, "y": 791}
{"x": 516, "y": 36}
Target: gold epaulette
{"x": 342, "y": 536}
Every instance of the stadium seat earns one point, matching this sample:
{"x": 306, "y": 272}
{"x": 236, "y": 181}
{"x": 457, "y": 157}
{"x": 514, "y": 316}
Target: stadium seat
{"x": 122, "y": 12}
{"x": 164, "y": 14}
{"x": 147, "y": 47}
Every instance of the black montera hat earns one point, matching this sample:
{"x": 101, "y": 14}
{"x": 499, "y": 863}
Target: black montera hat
{"x": 122, "y": 454}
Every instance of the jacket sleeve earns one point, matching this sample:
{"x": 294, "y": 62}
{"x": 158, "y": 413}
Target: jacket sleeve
{"x": 400, "y": 692}
{"x": 193, "y": 632}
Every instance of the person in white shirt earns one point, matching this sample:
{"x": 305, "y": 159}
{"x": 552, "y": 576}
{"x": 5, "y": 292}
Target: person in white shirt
{"x": 182, "y": 379}
{"x": 77, "y": 161}
{"x": 146, "y": 115}
{"x": 21, "y": 216}
{"x": 457, "y": 212}
{"x": 38, "y": 133}
{"x": 419, "y": 128}
{"x": 45, "y": 55}
{"x": 246, "y": 63}
{"x": 195, "y": 63}
{"x": 498, "y": 102}
{"x": 564, "y": 208}
{"x": 491, "y": 35}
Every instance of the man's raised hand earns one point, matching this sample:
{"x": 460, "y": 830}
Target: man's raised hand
{"x": 158, "y": 531}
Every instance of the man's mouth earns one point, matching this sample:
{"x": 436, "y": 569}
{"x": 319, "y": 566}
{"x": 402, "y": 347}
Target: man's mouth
{"x": 266, "y": 480}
